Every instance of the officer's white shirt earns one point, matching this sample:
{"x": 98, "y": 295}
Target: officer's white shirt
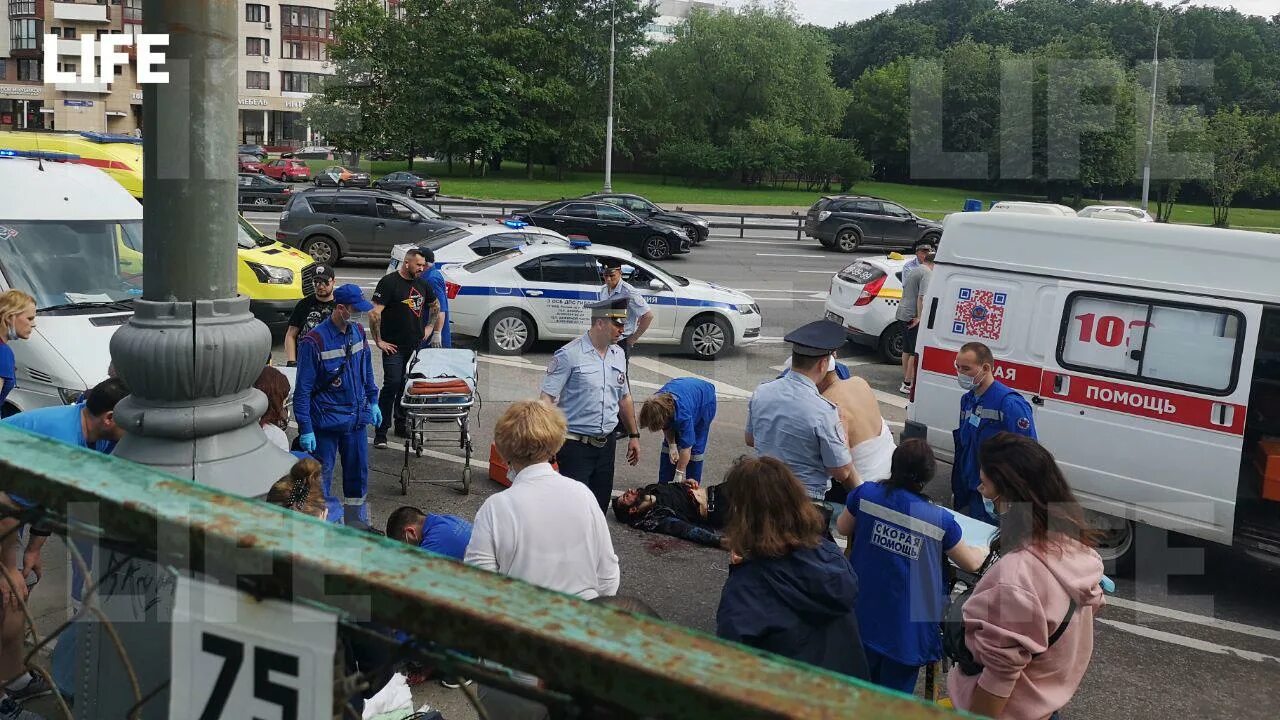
{"x": 548, "y": 530}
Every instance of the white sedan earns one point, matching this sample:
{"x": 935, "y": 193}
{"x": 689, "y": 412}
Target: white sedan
{"x": 864, "y": 299}
{"x": 455, "y": 246}
{"x": 540, "y": 292}
{"x": 1116, "y": 212}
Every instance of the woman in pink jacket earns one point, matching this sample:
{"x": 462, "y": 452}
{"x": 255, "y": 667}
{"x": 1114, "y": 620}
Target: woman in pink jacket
{"x": 1047, "y": 574}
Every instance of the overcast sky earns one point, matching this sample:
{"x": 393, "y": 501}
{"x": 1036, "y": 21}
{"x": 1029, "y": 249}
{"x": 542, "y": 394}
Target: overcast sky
{"x": 833, "y": 12}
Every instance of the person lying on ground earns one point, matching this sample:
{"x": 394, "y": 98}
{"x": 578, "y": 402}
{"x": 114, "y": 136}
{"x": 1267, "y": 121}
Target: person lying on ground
{"x": 685, "y": 510}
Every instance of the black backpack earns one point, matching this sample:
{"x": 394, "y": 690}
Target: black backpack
{"x": 953, "y": 642}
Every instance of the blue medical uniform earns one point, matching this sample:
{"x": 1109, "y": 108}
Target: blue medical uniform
{"x": 333, "y": 397}
{"x": 8, "y": 371}
{"x": 790, "y": 420}
{"x": 446, "y": 535}
{"x": 899, "y": 540}
{"x": 999, "y": 409}
{"x": 695, "y": 409}
{"x": 435, "y": 279}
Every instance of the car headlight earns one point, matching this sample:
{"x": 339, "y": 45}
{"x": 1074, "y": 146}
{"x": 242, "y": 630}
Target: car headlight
{"x": 701, "y": 223}
{"x": 69, "y": 396}
{"x": 751, "y": 309}
{"x": 683, "y": 233}
{"x": 271, "y": 275}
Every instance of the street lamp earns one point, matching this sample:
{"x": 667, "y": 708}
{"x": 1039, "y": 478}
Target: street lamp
{"x": 608, "y": 130}
{"x": 1151, "y": 127}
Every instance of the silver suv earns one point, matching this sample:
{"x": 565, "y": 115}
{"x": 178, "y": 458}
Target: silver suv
{"x": 332, "y": 224}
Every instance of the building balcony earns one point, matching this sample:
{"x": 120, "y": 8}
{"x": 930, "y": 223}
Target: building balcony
{"x": 100, "y": 88}
{"x": 69, "y": 47}
{"x": 81, "y": 12}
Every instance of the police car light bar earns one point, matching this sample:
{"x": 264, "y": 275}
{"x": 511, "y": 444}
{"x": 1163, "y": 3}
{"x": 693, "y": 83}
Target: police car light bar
{"x": 39, "y": 155}
{"x": 515, "y": 224}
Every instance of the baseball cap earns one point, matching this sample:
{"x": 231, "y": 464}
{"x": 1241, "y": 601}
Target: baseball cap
{"x": 350, "y": 294}
{"x": 428, "y": 254}
{"x": 324, "y": 273}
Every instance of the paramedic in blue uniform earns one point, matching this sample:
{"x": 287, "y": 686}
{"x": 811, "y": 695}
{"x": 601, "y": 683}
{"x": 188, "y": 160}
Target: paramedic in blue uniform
{"x": 334, "y": 398}
{"x": 682, "y": 410}
{"x": 788, "y": 418}
{"x": 898, "y": 540}
{"x": 587, "y": 380}
{"x": 446, "y": 535}
{"x": 988, "y": 407}
{"x": 639, "y": 316}
{"x": 440, "y": 337}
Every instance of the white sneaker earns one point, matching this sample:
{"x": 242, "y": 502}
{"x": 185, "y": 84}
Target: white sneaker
{"x": 905, "y": 389}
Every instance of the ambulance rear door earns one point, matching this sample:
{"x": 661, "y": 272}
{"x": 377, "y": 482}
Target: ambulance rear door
{"x": 1143, "y": 401}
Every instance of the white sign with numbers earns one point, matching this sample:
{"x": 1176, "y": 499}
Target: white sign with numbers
{"x": 235, "y": 657}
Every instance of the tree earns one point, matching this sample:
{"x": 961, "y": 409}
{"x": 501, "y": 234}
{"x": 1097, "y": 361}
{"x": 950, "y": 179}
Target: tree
{"x": 1231, "y": 140}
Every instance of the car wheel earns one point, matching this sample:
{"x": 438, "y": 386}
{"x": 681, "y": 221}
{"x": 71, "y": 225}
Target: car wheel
{"x": 891, "y": 341}
{"x": 1115, "y": 543}
{"x": 827, "y": 242}
{"x": 847, "y": 240}
{"x": 707, "y": 336}
{"x": 322, "y": 249}
{"x": 510, "y": 332}
{"x": 932, "y": 238}
{"x": 694, "y": 237}
{"x": 261, "y": 201}
{"x": 656, "y": 247}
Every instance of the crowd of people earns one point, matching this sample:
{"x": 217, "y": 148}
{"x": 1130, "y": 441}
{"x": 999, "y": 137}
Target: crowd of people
{"x": 825, "y": 465}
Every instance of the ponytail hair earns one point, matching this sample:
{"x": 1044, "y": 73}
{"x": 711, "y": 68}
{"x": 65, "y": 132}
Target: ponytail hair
{"x": 300, "y": 490}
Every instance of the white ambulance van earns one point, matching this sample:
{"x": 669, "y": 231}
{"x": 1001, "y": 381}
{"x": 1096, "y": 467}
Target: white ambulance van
{"x": 1150, "y": 354}
{"x": 71, "y": 237}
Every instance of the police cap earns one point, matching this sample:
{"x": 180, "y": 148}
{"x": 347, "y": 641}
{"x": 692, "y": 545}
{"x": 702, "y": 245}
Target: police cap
{"x": 819, "y": 337}
{"x": 614, "y": 309}
{"x": 610, "y": 263}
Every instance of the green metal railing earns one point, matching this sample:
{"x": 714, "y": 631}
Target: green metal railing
{"x": 584, "y": 651}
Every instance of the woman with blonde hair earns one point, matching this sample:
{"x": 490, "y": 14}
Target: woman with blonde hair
{"x": 301, "y": 490}
{"x": 17, "y": 320}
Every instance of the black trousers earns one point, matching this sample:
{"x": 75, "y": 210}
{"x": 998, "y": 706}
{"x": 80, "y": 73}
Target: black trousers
{"x": 394, "y": 366}
{"x": 590, "y": 465}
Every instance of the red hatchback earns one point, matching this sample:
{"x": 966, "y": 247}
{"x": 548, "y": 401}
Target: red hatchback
{"x": 250, "y": 164}
{"x": 287, "y": 170}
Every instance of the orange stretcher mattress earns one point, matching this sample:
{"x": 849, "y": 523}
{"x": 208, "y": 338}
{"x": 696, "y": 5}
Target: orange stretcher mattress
{"x": 441, "y": 386}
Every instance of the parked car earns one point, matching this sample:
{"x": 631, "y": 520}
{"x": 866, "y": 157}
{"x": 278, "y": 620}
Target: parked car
{"x": 249, "y": 163}
{"x": 333, "y": 224}
{"x": 607, "y": 224}
{"x": 414, "y": 184}
{"x": 694, "y": 226}
{"x": 255, "y": 150}
{"x": 850, "y": 222}
{"x": 1033, "y": 208}
{"x": 1116, "y": 212}
{"x": 864, "y": 298}
{"x": 539, "y": 292}
{"x": 311, "y": 152}
{"x": 339, "y": 176}
{"x": 287, "y": 170}
{"x": 458, "y": 246}
{"x": 257, "y": 189}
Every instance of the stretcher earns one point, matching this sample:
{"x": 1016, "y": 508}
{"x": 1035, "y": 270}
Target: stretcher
{"x": 439, "y": 392}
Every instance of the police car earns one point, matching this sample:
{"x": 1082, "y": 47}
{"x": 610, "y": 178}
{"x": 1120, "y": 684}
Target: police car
{"x": 864, "y": 299}
{"x": 454, "y": 246}
{"x": 539, "y": 292}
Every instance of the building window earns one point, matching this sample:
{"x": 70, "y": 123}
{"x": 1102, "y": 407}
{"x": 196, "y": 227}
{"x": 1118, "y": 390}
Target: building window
{"x": 257, "y": 13}
{"x": 22, "y": 7}
{"x": 257, "y": 46}
{"x": 255, "y": 80}
{"x": 69, "y": 33}
{"x": 304, "y": 50}
{"x": 300, "y": 82}
{"x": 67, "y": 67}
{"x": 4, "y": 68}
{"x": 55, "y": 31}
{"x": 24, "y": 34}
{"x": 30, "y": 70}
{"x": 133, "y": 11}
{"x": 310, "y": 21}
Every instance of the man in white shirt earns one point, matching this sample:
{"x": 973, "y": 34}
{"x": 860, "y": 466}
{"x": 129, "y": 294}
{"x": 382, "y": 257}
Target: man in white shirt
{"x": 545, "y": 529}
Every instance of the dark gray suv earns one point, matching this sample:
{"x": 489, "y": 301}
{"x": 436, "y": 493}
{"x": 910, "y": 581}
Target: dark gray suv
{"x": 333, "y": 224}
{"x": 848, "y": 222}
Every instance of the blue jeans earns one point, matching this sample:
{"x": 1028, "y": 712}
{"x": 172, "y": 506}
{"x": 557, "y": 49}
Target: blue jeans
{"x": 393, "y": 371}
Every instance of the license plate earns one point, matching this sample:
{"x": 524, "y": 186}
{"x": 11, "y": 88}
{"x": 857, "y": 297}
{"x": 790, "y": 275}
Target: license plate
{"x": 835, "y": 318}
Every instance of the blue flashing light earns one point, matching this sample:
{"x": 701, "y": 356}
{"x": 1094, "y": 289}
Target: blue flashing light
{"x": 515, "y": 224}
{"x": 100, "y": 137}
{"x": 579, "y": 244}
{"x": 39, "y": 155}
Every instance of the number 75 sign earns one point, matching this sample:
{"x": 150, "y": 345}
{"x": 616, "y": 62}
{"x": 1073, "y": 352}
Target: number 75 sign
{"x": 239, "y": 658}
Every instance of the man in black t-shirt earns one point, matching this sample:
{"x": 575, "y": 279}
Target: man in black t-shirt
{"x": 685, "y": 510}
{"x": 403, "y": 307}
{"x": 310, "y": 312}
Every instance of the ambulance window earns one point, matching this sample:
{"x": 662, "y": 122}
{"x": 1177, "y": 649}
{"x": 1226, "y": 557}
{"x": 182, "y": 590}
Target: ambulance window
{"x": 1159, "y": 343}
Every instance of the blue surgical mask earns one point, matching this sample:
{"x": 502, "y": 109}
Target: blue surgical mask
{"x": 988, "y": 504}
{"x": 965, "y": 382}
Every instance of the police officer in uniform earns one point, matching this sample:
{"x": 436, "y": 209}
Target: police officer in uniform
{"x": 587, "y": 379}
{"x": 988, "y": 407}
{"x": 335, "y": 397}
{"x": 788, "y": 418}
{"x": 639, "y": 316}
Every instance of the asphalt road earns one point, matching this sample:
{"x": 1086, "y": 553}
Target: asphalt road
{"x": 1197, "y": 634}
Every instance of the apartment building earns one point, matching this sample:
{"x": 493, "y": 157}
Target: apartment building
{"x": 283, "y": 51}
{"x": 672, "y": 14}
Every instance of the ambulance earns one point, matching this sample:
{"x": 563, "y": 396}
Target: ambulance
{"x": 1150, "y": 354}
{"x": 119, "y": 156}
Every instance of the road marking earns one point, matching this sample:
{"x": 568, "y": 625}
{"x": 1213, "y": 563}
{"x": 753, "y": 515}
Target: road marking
{"x": 427, "y": 452}
{"x": 1193, "y": 643}
{"x": 723, "y": 392}
{"x": 674, "y": 372}
{"x": 790, "y": 255}
{"x": 1187, "y": 617}
{"x": 778, "y": 290}
{"x": 817, "y": 272}
{"x": 507, "y": 358}
{"x": 785, "y": 300}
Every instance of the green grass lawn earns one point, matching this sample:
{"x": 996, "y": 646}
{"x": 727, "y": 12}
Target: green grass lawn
{"x": 930, "y": 202}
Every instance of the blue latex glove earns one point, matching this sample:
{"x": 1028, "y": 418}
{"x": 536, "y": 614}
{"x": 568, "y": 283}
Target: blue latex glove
{"x": 1108, "y": 585}
{"x": 376, "y": 413}
{"x": 307, "y": 441}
